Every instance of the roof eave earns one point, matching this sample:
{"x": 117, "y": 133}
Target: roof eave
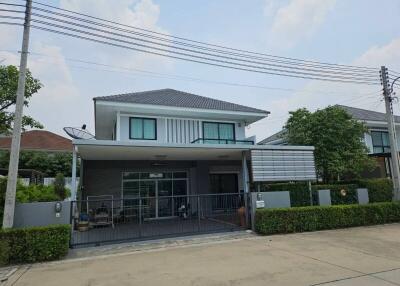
{"x": 261, "y": 113}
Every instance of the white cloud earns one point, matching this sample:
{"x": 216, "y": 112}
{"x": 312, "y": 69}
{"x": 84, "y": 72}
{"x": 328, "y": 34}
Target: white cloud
{"x": 56, "y": 102}
{"x": 138, "y": 13}
{"x": 296, "y": 21}
{"x": 357, "y": 95}
{"x": 60, "y": 102}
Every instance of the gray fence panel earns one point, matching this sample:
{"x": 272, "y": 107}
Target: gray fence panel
{"x": 41, "y": 214}
{"x": 271, "y": 200}
{"x": 324, "y": 197}
{"x": 362, "y": 195}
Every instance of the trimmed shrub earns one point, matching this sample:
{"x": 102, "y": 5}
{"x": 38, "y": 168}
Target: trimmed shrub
{"x": 34, "y": 244}
{"x": 379, "y": 190}
{"x": 336, "y": 197}
{"x": 289, "y": 220}
{"x": 299, "y": 193}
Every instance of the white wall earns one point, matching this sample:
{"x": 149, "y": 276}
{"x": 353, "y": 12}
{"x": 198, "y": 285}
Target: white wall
{"x": 173, "y": 130}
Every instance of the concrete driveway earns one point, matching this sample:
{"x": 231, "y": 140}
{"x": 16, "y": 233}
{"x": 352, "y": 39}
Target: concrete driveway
{"x": 358, "y": 256}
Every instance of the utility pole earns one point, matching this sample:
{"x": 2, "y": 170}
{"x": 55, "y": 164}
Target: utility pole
{"x": 9, "y": 205}
{"x": 392, "y": 133}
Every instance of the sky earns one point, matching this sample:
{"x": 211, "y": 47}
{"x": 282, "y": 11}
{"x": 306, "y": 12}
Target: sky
{"x": 357, "y": 32}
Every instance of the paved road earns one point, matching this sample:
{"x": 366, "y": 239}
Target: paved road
{"x": 359, "y": 256}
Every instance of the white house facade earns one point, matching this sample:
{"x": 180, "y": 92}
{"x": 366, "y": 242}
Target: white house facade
{"x": 157, "y": 152}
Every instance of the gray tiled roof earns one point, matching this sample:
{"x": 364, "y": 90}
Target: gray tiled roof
{"x": 171, "y": 97}
{"x": 273, "y": 137}
{"x": 366, "y": 115}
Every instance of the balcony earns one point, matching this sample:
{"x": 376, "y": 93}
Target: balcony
{"x": 222, "y": 141}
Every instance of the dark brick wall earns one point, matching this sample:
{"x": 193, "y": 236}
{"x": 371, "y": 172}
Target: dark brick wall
{"x": 105, "y": 177}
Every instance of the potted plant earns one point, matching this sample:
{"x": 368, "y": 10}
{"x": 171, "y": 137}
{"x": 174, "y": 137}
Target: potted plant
{"x": 83, "y": 223}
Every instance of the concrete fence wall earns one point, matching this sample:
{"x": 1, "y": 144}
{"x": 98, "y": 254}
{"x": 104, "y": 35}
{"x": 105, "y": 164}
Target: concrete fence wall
{"x": 271, "y": 200}
{"x": 41, "y": 214}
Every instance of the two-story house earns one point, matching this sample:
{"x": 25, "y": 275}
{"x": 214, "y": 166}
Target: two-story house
{"x": 168, "y": 150}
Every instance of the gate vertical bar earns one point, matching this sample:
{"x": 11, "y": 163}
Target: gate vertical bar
{"x": 140, "y": 217}
{"x": 198, "y": 213}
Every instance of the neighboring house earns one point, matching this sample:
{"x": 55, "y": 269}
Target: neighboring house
{"x": 376, "y": 138}
{"x": 38, "y": 141}
{"x": 157, "y": 151}
{"x": 274, "y": 139}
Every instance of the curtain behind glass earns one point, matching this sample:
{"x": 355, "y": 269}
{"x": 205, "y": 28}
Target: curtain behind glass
{"x": 226, "y": 131}
{"x": 210, "y": 130}
{"x": 149, "y": 131}
{"x": 136, "y": 127}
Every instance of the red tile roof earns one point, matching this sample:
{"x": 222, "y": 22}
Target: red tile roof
{"x": 39, "y": 140}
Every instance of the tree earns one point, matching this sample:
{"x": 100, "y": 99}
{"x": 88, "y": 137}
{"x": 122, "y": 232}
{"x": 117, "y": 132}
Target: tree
{"x": 59, "y": 186}
{"x": 337, "y": 138}
{"x": 49, "y": 163}
{"x": 8, "y": 95}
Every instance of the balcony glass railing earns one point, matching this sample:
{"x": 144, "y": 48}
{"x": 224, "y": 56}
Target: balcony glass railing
{"x": 222, "y": 141}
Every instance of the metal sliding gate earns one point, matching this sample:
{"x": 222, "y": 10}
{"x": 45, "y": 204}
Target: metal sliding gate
{"x": 109, "y": 220}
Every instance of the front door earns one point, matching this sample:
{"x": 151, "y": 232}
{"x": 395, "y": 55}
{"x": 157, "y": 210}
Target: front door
{"x": 223, "y": 183}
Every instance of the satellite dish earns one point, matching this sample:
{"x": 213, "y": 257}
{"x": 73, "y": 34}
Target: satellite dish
{"x": 78, "y": 133}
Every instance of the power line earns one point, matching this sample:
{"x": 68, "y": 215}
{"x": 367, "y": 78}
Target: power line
{"x": 185, "y": 54}
{"x": 195, "y": 51}
{"x": 191, "y": 45}
{"x": 225, "y": 65}
{"x": 199, "y": 42}
{"x": 310, "y": 74}
{"x": 180, "y": 77}
{"x": 322, "y": 72}
{"x": 192, "y": 60}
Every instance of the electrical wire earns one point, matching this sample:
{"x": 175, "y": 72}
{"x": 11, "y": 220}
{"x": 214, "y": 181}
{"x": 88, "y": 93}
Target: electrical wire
{"x": 238, "y": 61}
{"x": 201, "y": 52}
{"x": 182, "y": 43}
{"x": 179, "y": 77}
{"x": 193, "y": 60}
{"x": 185, "y": 54}
{"x": 199, "y": 42}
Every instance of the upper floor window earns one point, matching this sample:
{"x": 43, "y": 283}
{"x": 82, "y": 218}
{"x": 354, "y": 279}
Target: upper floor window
{"x": 217, "y": 132}
{"x": 380, "y": 141}
{"x": 142, "y": 128}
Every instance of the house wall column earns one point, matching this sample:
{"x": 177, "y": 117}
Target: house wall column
{"x": 245, "y": 173}
{"x": 73, "y": 175}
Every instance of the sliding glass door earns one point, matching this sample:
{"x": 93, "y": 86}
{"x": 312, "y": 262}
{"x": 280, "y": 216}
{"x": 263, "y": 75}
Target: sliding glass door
{"x": 162, "y": 193}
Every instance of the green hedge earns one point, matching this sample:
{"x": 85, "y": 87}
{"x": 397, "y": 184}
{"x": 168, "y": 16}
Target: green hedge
{"x": 336, "y": 197}
{"x": 299, "y": 193}
{"x": 289, "y": 220}
{"x": 26, "y": 245}
{"x": 379, "y": 190}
